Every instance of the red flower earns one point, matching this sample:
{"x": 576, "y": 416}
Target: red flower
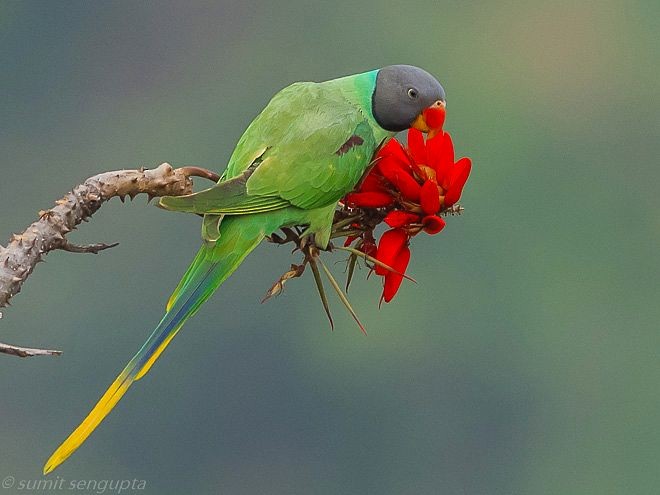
{"x": 369, "y": 199}
{"x": 433, "y": 224}
{"x": 439, "y": 154}
{"x": 411, "y": 186}
{"x": 400, "y": 175}
{"x": 391, "y": 244}
{"x": 393, "y": 250}
{"x": 458, "y": 178}
{"x": 430, "y": 197}
{"x": 393, "y": 279}
{"x": 398, "y": 218}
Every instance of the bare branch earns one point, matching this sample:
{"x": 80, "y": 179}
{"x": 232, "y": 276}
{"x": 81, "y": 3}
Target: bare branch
{"x": 48, "y": 233}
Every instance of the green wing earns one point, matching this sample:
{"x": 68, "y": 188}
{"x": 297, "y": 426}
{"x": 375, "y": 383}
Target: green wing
{"x": 307, "y": 149}
{"x": 228, "y": 197}
{"x": 329, "y": 165}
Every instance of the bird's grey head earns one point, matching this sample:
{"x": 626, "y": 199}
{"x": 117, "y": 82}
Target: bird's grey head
{"x": 401, "y": 95}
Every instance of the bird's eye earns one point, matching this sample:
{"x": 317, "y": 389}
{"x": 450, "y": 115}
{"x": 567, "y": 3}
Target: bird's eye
{"x": 412, "y": 93}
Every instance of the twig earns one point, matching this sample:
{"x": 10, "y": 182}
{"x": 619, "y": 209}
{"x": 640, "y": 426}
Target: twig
{"x": 276, "y": 289}
{"x": 89, "y": 248}
{"x": 342, "y": 296}
{"x": 337, "y": 225}
{"x": 345, "y": 233}
{"x": 375, "y": 261}
{"x": 48, "y": 233}
{"x": 453, "y": 210}
{"x": 27, "y": 351}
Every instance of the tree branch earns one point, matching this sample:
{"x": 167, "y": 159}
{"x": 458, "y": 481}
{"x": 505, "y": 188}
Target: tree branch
{"x": 48, "y": 233}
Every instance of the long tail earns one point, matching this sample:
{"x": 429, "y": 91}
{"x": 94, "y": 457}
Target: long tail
{"x": 211, "y": 267}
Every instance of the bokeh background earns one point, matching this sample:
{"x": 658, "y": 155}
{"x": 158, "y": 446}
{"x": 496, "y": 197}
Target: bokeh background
{"x": 524, "y": 362}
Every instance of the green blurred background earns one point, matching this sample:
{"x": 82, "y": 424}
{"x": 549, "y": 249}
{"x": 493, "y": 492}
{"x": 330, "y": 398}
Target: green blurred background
{"x": 524, "y": 362}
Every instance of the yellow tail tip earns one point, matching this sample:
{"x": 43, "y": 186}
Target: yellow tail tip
{"x": 62, "y": 453}
{"x": 50, "y": 466}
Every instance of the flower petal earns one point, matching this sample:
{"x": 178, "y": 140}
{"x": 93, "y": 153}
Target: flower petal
{"x": 391, "y": 243}
{"x": 416, "y": 146}
{"x": 393, "y": 280}
{"x": 398, "y": 218}
{"x": 401, "y": 178}
{"x": 374, "y": 181}
{"x": 370, "y": 199}
{"x": 430, "y": 198}
{"x": 434, "y": 149}
{"x": 393, "y": 150}
{"x": 446, "y": 161}
{"x": 459, "y": 176}
{"x": 388, "y": 166}
{"x": 409, "y": 187}
{"x": 433, "y": 224}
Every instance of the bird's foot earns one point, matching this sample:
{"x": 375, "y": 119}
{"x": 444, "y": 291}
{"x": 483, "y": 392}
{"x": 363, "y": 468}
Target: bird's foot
{"x": 290, "y": 235}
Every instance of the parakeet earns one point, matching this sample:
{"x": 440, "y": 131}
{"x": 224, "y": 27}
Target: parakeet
{"x": 307, "y": 149}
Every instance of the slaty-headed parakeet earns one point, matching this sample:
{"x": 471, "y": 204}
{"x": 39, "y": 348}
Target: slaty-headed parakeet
{"x": 307, "y": 149}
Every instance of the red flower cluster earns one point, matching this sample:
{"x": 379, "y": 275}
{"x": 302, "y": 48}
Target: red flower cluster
{"x": 413, "y": 185}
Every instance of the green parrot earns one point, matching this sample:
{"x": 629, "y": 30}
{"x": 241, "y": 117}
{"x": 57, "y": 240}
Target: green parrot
{"x": 306, "y": 150}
